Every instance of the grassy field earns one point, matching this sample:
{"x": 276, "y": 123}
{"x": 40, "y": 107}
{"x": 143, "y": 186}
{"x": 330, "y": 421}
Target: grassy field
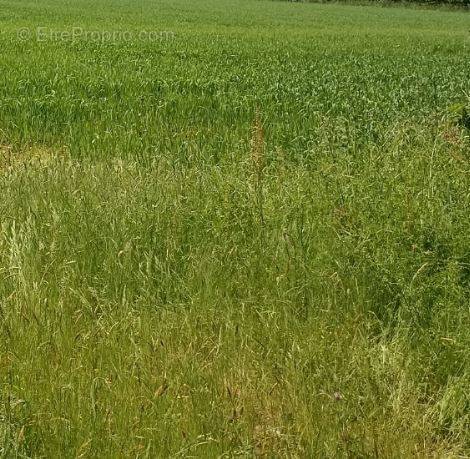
{"x": 233, "y": 228}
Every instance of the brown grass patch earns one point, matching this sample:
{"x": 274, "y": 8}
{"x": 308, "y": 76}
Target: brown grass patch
{"x": 34, "y": 155}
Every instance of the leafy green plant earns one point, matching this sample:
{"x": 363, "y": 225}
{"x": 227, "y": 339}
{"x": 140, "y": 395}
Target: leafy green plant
{"x": 460, "y": 114}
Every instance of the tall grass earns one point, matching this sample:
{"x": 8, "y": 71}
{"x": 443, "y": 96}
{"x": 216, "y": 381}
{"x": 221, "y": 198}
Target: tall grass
{"x": 253, "y": 240}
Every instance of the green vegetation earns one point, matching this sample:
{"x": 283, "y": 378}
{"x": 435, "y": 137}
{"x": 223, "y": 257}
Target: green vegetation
{"x": 448, "y": 4}
{"x": 247, "y": 234}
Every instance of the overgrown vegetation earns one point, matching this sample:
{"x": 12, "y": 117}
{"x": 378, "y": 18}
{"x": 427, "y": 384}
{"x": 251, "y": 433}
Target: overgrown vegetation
{"x": 250, "y": 237}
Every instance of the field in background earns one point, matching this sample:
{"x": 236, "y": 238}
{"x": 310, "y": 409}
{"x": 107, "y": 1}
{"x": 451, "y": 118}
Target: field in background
{"x": 233, "y": 228}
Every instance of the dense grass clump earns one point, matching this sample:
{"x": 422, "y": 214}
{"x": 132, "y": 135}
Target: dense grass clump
{"x": 248, "y": 238}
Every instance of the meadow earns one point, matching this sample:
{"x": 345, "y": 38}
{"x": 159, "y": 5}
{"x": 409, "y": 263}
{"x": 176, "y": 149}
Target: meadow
{"x": 234, "y": 228}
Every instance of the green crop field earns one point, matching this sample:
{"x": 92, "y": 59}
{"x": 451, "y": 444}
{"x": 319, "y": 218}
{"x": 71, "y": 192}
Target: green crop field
{"x": 234, "y": 228}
